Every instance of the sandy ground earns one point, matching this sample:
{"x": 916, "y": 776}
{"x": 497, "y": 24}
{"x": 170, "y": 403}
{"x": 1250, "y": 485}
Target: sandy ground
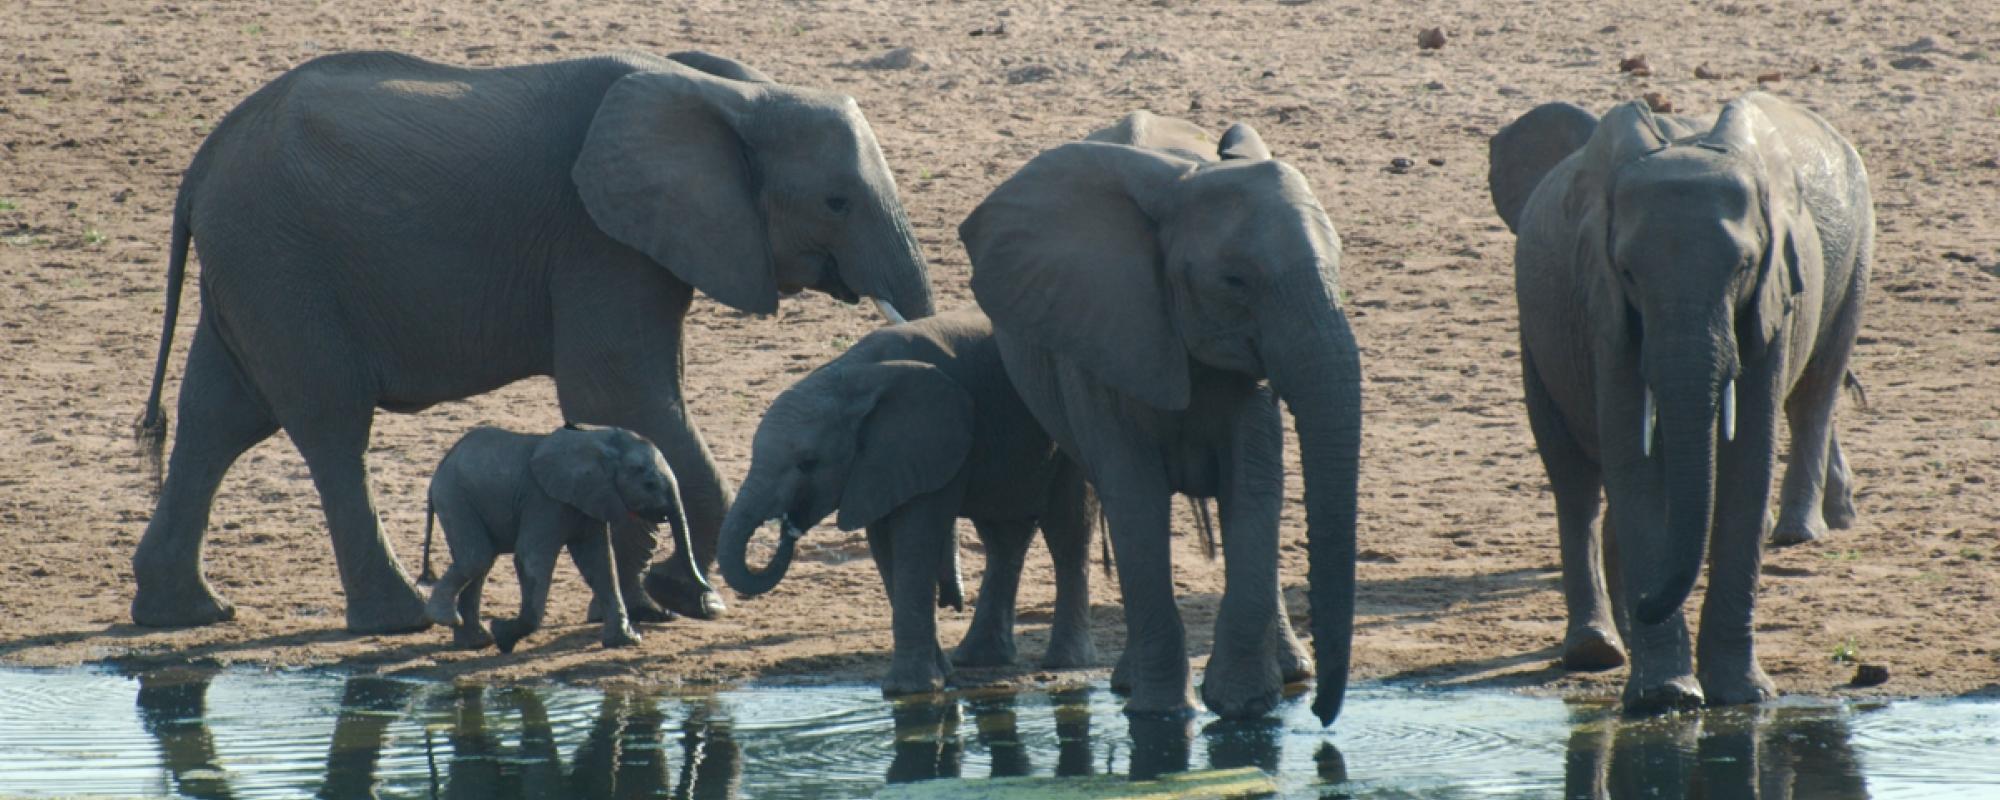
{"x": 103, "y": 103}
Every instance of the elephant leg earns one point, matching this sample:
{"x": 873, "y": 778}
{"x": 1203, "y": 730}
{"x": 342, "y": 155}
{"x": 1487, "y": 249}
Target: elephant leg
{"x": 1135, "y": 496}
{"x": 535, "y": 566}
{"x": 951, "y": 584}
{"x": 990, "y": 640}
{"x": 473, "y": 634}
{"x": 592, "y": 554}
{"x": 220, "y": 418}
{"x": 1244, "y": 679}
{"x": 1066, "y": 528}
{"x": 1838, "y": 506}
{"x": 919, "y": 531}
{"x": 1809, "y": 408}
{"x": 1591, "y": 643}
{"x": 380, "y": 598}
{"x": 618, "y": 362}
{"x": 1727, "y": 652}
{"x": 633, "y": 543}
{"x": 1661, "y": 656}
{"x": 472, "y": 554}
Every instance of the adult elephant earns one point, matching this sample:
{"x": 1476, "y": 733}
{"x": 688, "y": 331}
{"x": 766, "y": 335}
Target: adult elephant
{"x": 1141, "y": 293}
{"x": 379, "y": 231}
{"x": 1680, "y": 282}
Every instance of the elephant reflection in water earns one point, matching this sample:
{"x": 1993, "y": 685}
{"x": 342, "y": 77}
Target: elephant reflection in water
{"x": 622, "y": 755}
{"x": 1768, "y": 753}
{"x": 173, "y": 707}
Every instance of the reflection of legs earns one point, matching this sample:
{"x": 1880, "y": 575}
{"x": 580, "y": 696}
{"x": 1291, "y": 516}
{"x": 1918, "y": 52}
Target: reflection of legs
{"x": 173, "y": 708}
{"x": 1587, "y": 761}
{"x": 220, "y": 417}
{"x": 1073, "y": 758}
{"x": 1591, "y": 642}
{"x": 368, "y": 705}
{"x": 990, "y": 639}
{"x": 711, "y": 761}
{"x": 926, "y": 741}
{"x": 993, "y": 718}
{"x": 1066, "y": 527}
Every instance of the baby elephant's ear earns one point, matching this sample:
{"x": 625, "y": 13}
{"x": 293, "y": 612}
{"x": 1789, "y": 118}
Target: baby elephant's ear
{"x": 912, "y": 439}
{"x": 575, "y": 467}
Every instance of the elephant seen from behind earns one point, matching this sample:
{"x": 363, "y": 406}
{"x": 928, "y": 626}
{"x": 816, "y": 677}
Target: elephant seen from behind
{"x": 913, "y": 428}
{"x": 1144, "y": 287}
{"x": 1681, "y": 282}
{"x": 380, "y": 231}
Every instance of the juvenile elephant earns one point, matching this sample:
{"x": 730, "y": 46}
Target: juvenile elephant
{"x": 499, "y": 492}
{"x": 1680, "y": 281}
{"x": 378, "y": 231}
{"x": 912, "y": 428}
{"x": 1141, "y": 295}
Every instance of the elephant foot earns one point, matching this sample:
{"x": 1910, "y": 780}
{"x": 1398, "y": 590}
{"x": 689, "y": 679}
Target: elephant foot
{"x": 398, "y": 609}
{"x": 648, "y": 612}
{"x": 1069, "y": 651}
{"x": 990, "y": 650}
{"x": 1164, "y": 702}
{"x": 442, "y": 610}
{"x": 916, "y": 673}
{"x": 1295, "y": 665}
{"x": 1738, "y": 687}
{"x": 507, "y": 633}
{"x": 1592, "y": 648}
{"x": 1791, "y": 531}
{"x": 681, "y": 595}
{"x": 471, "y": 637}
{"x": 191, "y": 607}
{"x": 1646, "y": 699}
{"x": 1839, "y": 511}
{"x": 1242, "y": 688}
{"x": 1121, "y": 675}
{"x": 623, "y": 637}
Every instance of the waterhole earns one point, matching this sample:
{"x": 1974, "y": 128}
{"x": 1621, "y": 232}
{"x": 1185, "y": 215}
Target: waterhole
{"x": 225, "y": 733}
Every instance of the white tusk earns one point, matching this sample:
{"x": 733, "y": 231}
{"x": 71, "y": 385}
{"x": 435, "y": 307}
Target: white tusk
{"x": 1646, "y": 424}
{"x": 1729, "y": 411}
{"x": 889, "y": 311}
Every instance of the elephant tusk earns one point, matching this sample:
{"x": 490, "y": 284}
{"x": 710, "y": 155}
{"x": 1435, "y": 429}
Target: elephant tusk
{"x": 889, "y": 311}
{"x": 1646, "y": 423}
{"x": 1729, "y": 411}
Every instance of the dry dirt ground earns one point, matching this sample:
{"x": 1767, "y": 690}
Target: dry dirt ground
{"x": 103, "y": 103}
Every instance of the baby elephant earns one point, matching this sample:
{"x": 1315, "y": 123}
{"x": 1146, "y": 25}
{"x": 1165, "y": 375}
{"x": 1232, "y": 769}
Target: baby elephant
{"x": 503, "y": 492}
{"x": 914, "y": 427}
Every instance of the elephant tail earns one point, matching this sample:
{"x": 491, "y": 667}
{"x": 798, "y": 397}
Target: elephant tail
{"x": 151, "y": 429}
{"x": 1855, "y": 391}
{"x": 1207, "y": 523}
{"x": 428, "y": 576}
{"x": 1104, "y": 536}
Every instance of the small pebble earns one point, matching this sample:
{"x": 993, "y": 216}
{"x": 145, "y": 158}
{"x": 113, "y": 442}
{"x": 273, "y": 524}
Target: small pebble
{"x": 1636, "y": 65}
{"x": 1400, "y": 165}
{"x": 1704, "y": 73}
{"x": 1659, "y": 103}
{"x": 1435, "y": 161}
{"x": 1432, "y": 39}
{"x": 1771, "y": 77}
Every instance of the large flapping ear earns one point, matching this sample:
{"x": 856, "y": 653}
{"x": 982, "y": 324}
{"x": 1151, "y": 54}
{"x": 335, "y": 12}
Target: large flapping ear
{"x": 912, "y": 439}
{"x": 576, "y": 468}
{"x": 1145, "y": 129}
{"x": 1065, "y": 256}
{"x": 1242, "y": 142}
{"x": 665, "y": 171}
{"x": 1791, "y": 243}
{"x": 1523, "y": 152}
{"x": 721, "y": 67}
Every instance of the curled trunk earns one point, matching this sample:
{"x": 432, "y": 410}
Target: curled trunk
{"x": 1319, "y": 377}
{"x": 750, "y": 511}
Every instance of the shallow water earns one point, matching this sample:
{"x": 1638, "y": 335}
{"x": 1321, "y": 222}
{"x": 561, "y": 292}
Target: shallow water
{"x": 246, "y": 734}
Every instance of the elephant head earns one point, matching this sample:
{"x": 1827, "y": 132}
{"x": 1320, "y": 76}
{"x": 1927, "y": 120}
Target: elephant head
{"x": 749, "y": 190}
{"x": 1698, "y": 245}
{"x": 1136, "y": 264}
{"x": 862, "y": 438}
{"x": 608, "y": 474}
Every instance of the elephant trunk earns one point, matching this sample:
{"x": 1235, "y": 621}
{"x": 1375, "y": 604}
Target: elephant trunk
{"x": 752, "y": 508}
{"x": 898, "y": 281}
{"x": 1319, "y": 377}
{"x": 1688, "y": 401}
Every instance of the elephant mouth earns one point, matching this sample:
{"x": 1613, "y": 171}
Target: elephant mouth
{"x": 657, "y": 516}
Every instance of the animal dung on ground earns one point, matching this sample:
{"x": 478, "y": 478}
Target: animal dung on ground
{"x": 1432, "y": 39}
{"x": 1400, "y": 165}
{"x": 1659, "y": 103}
{"x": 1704, "y": 73}
{"x": 1771, "y": 77}
{"x": 1868, "y": 675}
{"x": 1636, "y": 66}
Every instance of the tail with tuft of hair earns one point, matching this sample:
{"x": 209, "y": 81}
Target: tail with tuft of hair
{"x": 151, "y": 429}
{"x": 428, "y": 577}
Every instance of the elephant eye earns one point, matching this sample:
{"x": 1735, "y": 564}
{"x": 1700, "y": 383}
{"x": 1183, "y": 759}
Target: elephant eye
{"x": 837, "y": 205}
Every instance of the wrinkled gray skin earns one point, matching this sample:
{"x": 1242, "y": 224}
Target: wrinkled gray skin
{"x": 378, "y": 231}
{"x": 1720, "y": 266}
{"x": 1142, "y": 294}
{"x": 915, "y": 427}
{"x": 503, "y": 492}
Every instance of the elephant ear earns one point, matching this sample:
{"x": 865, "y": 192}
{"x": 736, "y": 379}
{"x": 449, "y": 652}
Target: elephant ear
{"x": 576, "y": 468}
{"x": 1521, "y": 154}
{"x": 721, "y": 67}
{"x": 1065, "y": 256}
{"x": 665, "y": 171}
{"x": 1242, "y": 142}
{"x": 1791, "y": 243}
{"x": 912, "y": 438}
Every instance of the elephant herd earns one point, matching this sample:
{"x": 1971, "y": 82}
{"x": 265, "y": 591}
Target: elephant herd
{"x": 379, "y": 231}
